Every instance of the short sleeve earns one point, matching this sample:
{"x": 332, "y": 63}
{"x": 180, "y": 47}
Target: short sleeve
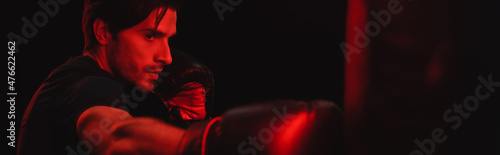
{"x": 86, "y": 93}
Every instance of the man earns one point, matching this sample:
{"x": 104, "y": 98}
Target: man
{"x": 86, "y": 106}
{"x": 82, "y": 107}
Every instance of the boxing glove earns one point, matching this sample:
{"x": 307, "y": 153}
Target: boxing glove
{"x": 283, "y": 127}
{"x": 186, "y": 90}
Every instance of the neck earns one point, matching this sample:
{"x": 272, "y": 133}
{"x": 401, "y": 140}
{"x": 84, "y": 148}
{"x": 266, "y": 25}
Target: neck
{"x": 100, "y": 57}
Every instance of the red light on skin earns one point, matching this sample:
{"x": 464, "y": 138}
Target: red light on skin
{"x": 138, "y": 53}
{"x": 288, "y": 140}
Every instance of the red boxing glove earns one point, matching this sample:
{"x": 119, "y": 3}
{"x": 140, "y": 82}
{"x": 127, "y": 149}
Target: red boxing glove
{"x": 190, "y": 102}
{"x": 187, "y": 90}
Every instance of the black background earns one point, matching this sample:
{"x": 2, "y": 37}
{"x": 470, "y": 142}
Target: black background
{"x": 263, "y": 49}
{"x": 281, "y": 49}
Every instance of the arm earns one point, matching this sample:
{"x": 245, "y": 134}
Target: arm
{"x": 114, "y": 131}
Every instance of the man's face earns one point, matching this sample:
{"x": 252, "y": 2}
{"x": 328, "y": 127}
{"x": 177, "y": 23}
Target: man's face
{"x": 139, "y": 53}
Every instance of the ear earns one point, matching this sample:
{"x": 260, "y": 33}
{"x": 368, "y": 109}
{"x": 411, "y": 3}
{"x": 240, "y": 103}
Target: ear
{"x": 101, "y": 32}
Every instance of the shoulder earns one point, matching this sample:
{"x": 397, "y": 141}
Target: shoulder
{"x": 83, "y": 77}
{"x": 73, "y": 71}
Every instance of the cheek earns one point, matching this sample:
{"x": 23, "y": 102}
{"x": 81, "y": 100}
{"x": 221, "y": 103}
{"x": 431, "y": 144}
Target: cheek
{"x": 126, "y": 63}
{"x": 136, "y": 49}
{"x": 133, "y": 57}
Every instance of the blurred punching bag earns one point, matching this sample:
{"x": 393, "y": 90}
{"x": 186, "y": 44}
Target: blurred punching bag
{"x": 411, "y": 66}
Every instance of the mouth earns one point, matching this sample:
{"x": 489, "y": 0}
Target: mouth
{"x": 153, "y": 72}
{"x": 151, "y": 76}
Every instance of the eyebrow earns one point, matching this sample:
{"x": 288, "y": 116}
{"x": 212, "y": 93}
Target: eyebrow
{"x": 158, "y": 33}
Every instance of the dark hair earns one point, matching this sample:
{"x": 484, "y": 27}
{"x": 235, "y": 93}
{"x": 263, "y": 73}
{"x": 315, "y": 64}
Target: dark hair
{"x": 120, "y": 15}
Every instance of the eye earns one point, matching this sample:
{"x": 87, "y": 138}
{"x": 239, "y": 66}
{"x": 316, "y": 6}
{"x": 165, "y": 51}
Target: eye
{"x": 149, "y": 36}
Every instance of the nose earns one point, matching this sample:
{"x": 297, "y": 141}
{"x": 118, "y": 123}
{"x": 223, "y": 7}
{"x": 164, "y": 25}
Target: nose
{"x": 164, "y": 57}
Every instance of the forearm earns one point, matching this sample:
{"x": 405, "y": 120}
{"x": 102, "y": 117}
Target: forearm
{"x": 114, "y": 131}
{"x": 145, "y": 136}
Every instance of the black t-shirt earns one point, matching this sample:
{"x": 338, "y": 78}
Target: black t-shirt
{"x": 49, "y": 122}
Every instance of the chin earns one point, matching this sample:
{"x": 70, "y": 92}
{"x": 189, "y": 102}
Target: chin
{"x": 147, "y": 86}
